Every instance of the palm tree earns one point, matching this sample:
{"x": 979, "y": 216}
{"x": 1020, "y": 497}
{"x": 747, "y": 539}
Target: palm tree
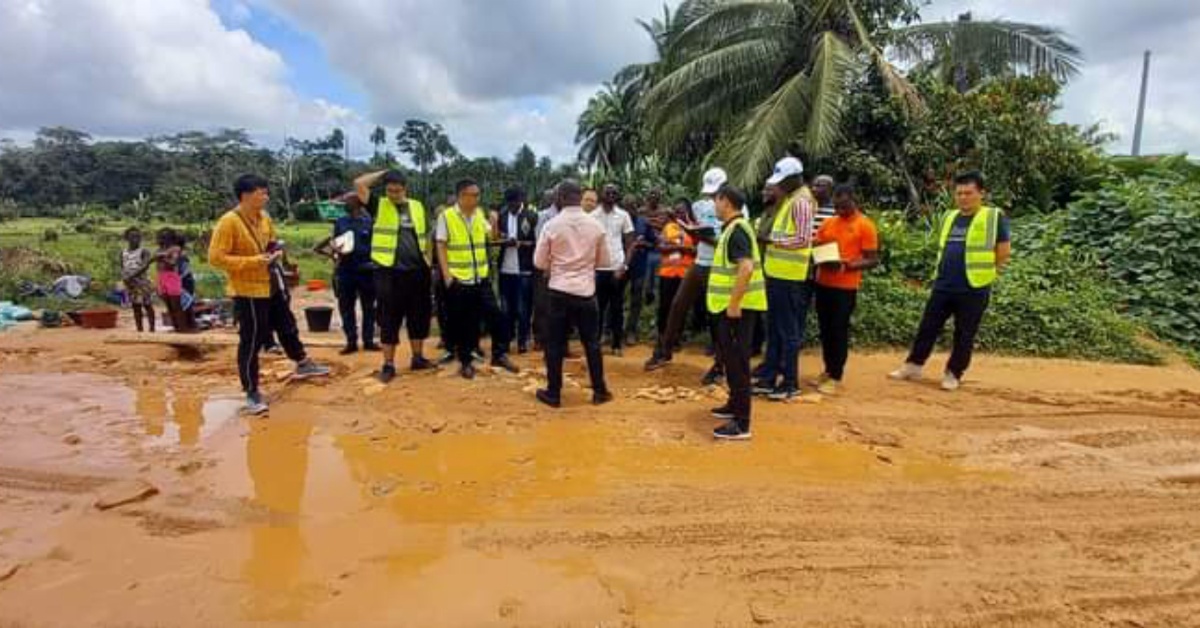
{"x": 609, "y": 130}
{"x": 772, "y": 73}
{"x": 379, "y": 138}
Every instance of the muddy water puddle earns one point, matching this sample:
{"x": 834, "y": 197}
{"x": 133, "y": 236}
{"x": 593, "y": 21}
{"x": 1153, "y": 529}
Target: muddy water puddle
{"x": 103, "y": 420}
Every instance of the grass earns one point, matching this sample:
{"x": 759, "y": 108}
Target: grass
{"x": 95, "y": 254}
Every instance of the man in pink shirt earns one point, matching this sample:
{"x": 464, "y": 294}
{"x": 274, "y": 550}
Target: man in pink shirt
{"x": 570, "y": 249}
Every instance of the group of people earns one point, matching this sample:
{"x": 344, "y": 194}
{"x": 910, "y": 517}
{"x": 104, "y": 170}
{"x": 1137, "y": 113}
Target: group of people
{"x": 173, "y": 282}
{"x": 563, "y": 270}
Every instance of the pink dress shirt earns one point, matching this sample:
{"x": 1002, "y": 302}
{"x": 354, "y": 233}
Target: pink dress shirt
{"x": 570, "y": 249}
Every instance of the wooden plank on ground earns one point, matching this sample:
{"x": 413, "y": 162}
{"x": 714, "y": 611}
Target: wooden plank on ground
{"x": 206, "y": 339}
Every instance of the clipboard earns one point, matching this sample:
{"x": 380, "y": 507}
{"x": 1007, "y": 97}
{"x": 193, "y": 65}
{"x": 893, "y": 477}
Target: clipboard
{"x": 827, "y": 253}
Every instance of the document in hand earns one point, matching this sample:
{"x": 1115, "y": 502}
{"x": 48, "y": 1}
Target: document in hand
{"x": 827, "y": 253}
{"x": 344, "y": 243}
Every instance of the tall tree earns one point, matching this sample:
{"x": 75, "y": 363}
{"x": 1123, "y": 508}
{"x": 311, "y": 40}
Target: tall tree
{"x": 379, "y": 139}
{"x": 772, "y": 74}
{"x": 609, "y": 130}
{"x": 420, "y": 140}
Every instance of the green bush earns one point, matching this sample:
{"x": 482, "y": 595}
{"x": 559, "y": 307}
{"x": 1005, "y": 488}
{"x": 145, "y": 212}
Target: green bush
{"x": 1145, "y": 232}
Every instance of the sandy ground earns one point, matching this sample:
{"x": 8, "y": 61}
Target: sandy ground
{"x": 1045, "y": 493}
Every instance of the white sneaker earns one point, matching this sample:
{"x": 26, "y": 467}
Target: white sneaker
{"x": 907, "y": 373}
{"x": 950, "y": 383}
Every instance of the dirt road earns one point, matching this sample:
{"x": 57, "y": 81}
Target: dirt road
{"x": 1044, "y": 493}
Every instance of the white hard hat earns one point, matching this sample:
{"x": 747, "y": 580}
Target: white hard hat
{"x": 784, "y": 168}
{"x": 713, "y": 180}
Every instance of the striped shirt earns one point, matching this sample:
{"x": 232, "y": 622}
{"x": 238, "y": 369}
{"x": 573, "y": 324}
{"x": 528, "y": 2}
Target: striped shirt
{"x": 823, "y": 213}
{"x": 802, "y": 217}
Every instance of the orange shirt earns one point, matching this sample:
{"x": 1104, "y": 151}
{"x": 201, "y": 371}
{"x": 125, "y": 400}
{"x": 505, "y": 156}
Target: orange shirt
{"x": 853, "y": 235}
{"x": 675, "y": 265}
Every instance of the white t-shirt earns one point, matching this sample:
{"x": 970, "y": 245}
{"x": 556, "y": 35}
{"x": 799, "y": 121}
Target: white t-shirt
{"x": 617, "y": 224}
{"x": 511, "y": 263}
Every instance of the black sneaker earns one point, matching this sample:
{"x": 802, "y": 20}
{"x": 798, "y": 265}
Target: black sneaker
{"x": 713, "y": 377}
{"x": 732, "y": 431}
{"x": 545, "y": 397}
{"x": 759, "y": 372}
{"x": 446, "y": 358}
{"x": 349, "y": 350}
{"x": 657, "y": 362}
{"x": 723, "y": 413}
{"x": 762, "y": 388}
{"x": 419, "y": 363}
{"x": 618, "y": 352}
{"x": 601, "y": 398}
{"x": 522, "y": 349}
{"x": 503, "y": 362}
{"x": 784, "y": 393}
{"x": 387, "y": 373}
{"x": 467, "y": 371}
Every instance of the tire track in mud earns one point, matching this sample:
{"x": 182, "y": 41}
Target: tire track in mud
{"x": 30, "y": 480}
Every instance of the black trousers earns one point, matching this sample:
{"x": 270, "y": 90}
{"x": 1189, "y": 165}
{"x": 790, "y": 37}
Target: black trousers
{"x": 668, "y": 287}
{"x": 564, "y": 313}
{"x": 835, "y": 306}
{"x": 404, "y": 298}
{"x": 610, "y": 298}
{"x": 516, "y": 293}
{"x": 734, "y": 338}
{"x": 468, "y": 307}
{"x": 441, "y": 309}
{"x": 541, "y": 290}
{"x": 690, "y": 299}
{"x": 356, "y": 287}
{"x": 258, "y": 320}
{"x": 967, "y": 310}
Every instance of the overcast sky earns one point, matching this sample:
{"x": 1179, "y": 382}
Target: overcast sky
{"x": 496, "y": 73}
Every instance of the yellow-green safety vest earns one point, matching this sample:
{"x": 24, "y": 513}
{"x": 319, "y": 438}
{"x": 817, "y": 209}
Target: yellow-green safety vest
{"x": 466, "y": 250}
{"x": 723, "y": 275}
{"x": 788, "y": 264}
{"x": 386, "y": 234}
{"x": 980, "y": 246}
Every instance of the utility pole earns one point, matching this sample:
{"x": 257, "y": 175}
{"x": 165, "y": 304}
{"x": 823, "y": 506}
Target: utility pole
{"x": 1141, "y": 112}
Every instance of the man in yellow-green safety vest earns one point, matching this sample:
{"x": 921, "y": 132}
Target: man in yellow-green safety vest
{"x": 401, "y": 257}
{"x": 462, "y": 236}
{"x": 736, "y": 296}
{"x": 786, "y": 264}
{"x": 974, "y": 245}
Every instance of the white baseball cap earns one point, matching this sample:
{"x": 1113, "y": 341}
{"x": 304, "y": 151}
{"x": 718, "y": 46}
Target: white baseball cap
{"x": 713, "y": 180}
{"x": 784, "y": 168}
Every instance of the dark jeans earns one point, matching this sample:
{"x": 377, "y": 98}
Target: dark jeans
{"x": 835, "y": 306}
{"x": 967, "y": 310}
{"x": 468, "y": 307}
{"x": 405, "y": 299}
{"x": 441, "y": 309}
{"x": 692, "y": 295}
{"x": 257, "y": 320}
{"x": 564, "y": 313}
{"x": 610, "y": 298}
{"x": 638, "y": 284}
{"x": 354, "y": 287}
{"x": 668, "y": 287}
{"x": 516, "y": 294}
{"x": 788, "y": 302}
{"x": 734, "y": 337}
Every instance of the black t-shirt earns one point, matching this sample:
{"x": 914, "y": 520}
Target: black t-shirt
{"x": 739, "y": 247}
{"x": 408, "y": 248}
{"x": 952, "y": 275}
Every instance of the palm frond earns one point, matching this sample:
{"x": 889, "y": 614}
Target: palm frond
{"x": 733, "y": 21}
{"x": 893, "y": 79}
{"x": 833, "y": 62}
{"x": 1017, "y": 46}
{"x": 768, "y": 129}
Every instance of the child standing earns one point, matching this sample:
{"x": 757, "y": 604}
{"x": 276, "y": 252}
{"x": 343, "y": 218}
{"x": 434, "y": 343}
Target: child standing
{"x": 170, "y": 284}
{"x": 135, "y": 266}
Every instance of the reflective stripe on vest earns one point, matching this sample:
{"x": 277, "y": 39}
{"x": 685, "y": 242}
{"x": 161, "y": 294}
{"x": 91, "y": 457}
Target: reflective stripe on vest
{"x": 788, "y": 264}
{"x": 675, "y": 265}
{"x": 980, "y": 257}
{"x": 466, "y": 251}
{"x": 386, "y": 236}
{"x": 723, "y": 276}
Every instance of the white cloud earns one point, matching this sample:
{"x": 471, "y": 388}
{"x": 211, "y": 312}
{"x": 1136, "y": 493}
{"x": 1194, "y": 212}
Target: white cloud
{"x": 141, "y": 67}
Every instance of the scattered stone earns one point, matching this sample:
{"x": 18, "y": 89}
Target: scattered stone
{"x": 760, "y": 615}
{"x": 884, "y": 459}
{"x": 438, "y": 425}
{"x": 282, "y": 376}
{"x": 72, "y": 439}
{"x": 124, "y": 493}
{"x": 132, "y": 586}
{"x": 8, "y": 570}
{"x": 189, "y": 468}
{"x": 384, "y": 487}
{"x": 373, "y": 389}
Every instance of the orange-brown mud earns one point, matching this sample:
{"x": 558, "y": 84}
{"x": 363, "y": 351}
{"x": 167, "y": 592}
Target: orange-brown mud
{"x": 1045, "y": 493}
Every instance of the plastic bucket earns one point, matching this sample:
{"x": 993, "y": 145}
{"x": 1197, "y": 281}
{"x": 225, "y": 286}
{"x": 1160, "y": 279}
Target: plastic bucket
{"x": 318, "y": 317}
